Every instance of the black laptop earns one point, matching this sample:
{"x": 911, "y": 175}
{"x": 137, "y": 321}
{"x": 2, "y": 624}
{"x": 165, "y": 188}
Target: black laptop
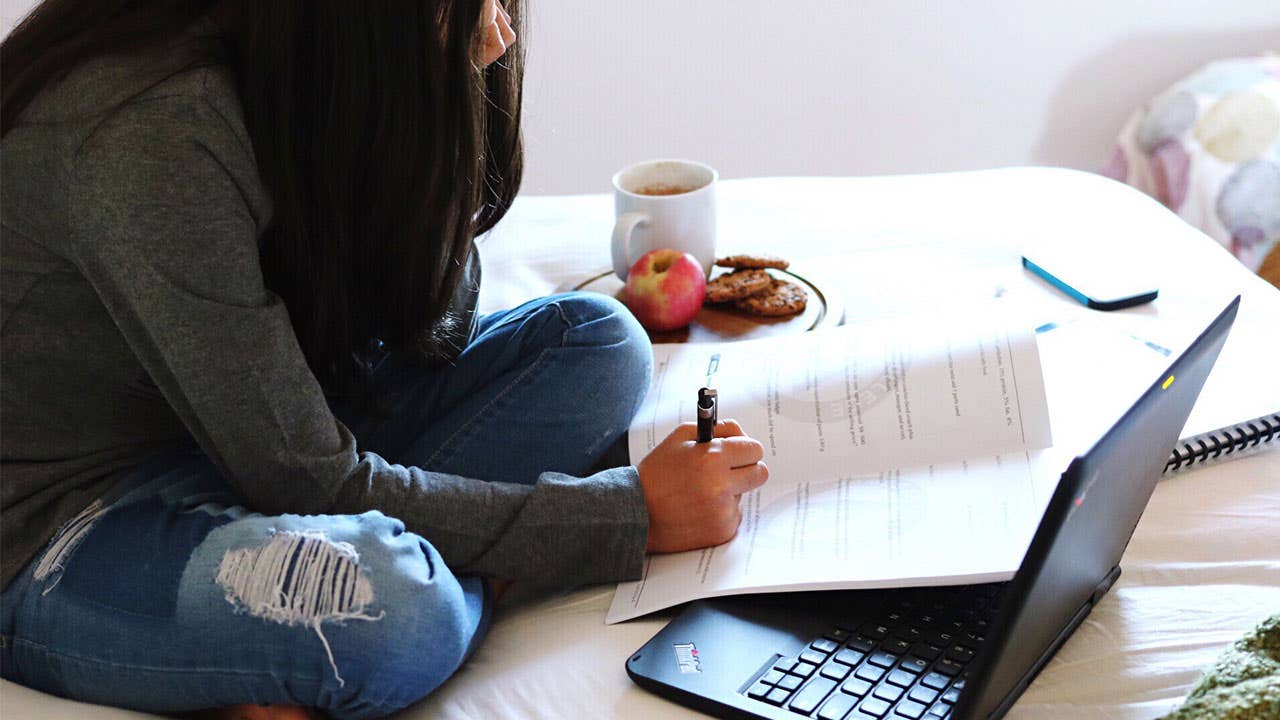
{"x": 954, "y": 652}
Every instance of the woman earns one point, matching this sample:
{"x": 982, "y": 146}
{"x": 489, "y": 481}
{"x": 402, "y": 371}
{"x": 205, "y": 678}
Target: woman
{"x": 258, "y": 447}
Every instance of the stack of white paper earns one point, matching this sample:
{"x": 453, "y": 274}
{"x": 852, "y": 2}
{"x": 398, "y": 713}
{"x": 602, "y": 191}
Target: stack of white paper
{"x": 904, "y": 452}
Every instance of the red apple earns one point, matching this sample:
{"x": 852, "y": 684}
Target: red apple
{"x": 665, "y": 289}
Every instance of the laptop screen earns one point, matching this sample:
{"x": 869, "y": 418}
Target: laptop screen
{"x": 1086, "y": 527}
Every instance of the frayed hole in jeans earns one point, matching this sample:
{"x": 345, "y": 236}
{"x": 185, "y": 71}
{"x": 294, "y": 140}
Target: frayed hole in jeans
{"x": 65, "y": 541}
{"x": 298, "y": 578}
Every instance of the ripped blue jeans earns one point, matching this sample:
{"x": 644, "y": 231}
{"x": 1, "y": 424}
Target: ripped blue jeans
{"x": 167, "y": 595}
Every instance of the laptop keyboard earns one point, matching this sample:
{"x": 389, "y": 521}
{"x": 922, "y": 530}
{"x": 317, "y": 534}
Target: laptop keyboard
{"x": 907, "y": 660}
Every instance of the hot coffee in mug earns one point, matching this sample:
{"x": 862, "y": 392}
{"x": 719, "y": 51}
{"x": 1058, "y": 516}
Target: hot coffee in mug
{"x": 664, "y": 204}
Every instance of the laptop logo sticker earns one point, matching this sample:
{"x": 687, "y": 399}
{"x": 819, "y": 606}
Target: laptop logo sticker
{"x": 687, "y": 657}
{"x": 1088, "y": 485}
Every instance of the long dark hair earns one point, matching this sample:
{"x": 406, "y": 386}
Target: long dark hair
{"x": 384, "y": 148}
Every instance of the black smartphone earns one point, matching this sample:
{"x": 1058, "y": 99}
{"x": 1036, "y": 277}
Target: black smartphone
{"x": 1092, "y": 282}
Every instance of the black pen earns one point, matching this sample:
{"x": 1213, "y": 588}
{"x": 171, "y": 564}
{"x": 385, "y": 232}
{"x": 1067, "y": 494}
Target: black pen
{"x": 706, "y": 414}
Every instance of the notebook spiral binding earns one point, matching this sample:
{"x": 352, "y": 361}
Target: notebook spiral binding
{"x": 1225, "y": 443}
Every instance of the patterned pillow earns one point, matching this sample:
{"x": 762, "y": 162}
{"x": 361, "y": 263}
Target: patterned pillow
{"x": 1209, "y": 149}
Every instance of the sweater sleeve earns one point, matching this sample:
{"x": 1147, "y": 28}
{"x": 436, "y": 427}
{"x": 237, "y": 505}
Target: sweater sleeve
{"x": 165, "y": 209}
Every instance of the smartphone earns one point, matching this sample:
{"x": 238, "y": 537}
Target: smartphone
{"x": 1093, "y": 282}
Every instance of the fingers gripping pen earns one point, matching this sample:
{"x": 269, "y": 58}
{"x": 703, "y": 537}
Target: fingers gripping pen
{"x": 706, "y": 414}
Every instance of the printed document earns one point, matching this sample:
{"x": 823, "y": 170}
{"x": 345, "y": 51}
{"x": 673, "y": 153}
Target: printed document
{"x": 901, "y": 453}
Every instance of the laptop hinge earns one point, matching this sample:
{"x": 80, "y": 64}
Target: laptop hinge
{"x": 1105, "y": 585}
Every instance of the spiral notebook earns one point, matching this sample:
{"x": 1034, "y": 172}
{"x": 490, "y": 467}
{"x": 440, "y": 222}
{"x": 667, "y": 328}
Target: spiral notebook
{"x": 1227, "y": 443}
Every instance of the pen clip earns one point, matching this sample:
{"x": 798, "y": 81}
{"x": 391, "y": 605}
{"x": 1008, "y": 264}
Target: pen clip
{"x": 707, "y": 399}
{"x": 706, "y": 415}
{"x": 707, "y": 405}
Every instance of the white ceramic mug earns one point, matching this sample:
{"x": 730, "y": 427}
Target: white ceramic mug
{"x": 684, "y": 220}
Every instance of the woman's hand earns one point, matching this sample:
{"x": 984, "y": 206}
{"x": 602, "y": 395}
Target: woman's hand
{"x": 692, "y": 489}
{"x": 496, "y": 34}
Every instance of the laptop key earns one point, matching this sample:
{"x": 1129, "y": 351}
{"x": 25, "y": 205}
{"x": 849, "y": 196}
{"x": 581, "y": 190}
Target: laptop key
{"x": 813, "y": 656}
{"x": 935, "y": 681}
{"x": 910, "y": 634}
{"x": 759, "y": 690}
{"x": 823, "y": 645}
{"x": 835, "y": 671}
{"x": 837, "y": 635}
{"x": 888, "y": 693}
{"x": 806, "y": 701}
{"x": 785, "y": 664}
{"x": 923, "y": 695}
{"x": 948, "y": 667}
{"x": 772, "y": 677}
{"x": 874, "y": 707}
{"x": 901, "y": 679}
{"x": 914, "y": 665}
{"x": 910, "y": 709}
{"x": 777, "y": 696}
{"x": 883, "y": 659}
{"x": 856, "y": 687}
{"x": 870, "y": 673}
{"x": 861, "y": 643}
{"x": 896, "y": 646}
{"x": 874, "y": 631}
{"x": 926, "y": 651}
{"x": 951, "y": 696}
{"x": 790, "y": 682}
{"x": 837, "y": 707}
{"x": 941, "y": 639}
{"x": 960, "y": 654}
{"x": 938, "y": 711}
{"x": 849, "y": 657}
{"x": 803, "y": 669}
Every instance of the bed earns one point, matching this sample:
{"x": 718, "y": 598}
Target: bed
{"x": 1203, "y": 565}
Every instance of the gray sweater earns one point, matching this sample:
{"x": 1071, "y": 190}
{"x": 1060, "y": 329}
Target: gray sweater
{"x": 134, "y": 316}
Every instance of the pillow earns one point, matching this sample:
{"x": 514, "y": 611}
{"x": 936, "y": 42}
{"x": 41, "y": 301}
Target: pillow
{"x": 1209, "y": 149}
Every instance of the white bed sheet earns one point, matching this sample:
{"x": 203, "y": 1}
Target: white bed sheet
{"x": 1203, "y": 565}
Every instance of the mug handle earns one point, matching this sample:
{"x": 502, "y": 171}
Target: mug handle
{"x": 627, "y": 222}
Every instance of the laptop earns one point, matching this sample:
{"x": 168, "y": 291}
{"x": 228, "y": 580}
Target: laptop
{"x": 956, "y": 652}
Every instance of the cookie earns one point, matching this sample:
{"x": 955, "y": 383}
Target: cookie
{"x": 782, "y": 298}
{"x": 741, "y": 262}
{"x": 737, "y": 285}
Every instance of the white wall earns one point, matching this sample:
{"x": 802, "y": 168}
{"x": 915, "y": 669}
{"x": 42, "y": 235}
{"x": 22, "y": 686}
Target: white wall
{"x": 851, "y": 87}
{"x": 11, "y": 11}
